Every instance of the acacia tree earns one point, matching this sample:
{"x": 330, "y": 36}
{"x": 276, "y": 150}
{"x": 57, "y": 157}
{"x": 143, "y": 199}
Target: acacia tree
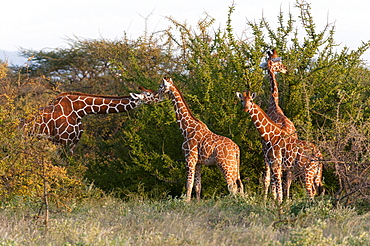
{"x": 318, "y": 76}
{"x": 30, "y": 168}
{"x": 141, "y": 150}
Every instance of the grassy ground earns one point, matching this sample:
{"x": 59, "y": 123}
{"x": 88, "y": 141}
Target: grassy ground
{"x": 219, "y": 221}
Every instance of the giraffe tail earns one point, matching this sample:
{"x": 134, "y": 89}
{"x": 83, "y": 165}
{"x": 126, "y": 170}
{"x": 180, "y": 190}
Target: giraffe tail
{"x": 238, "y": 180}
{"x": 320, "y": 190}
{"x": 320, "y": 186}
{"x": 240, "y": 186}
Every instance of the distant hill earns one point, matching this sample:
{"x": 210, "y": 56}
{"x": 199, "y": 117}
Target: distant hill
{"x": 12, "y": 57}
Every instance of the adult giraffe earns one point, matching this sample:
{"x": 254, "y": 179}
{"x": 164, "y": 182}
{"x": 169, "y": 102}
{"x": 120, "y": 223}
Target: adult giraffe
{"x": 60, "y": 121}
{"x": 283, "y": 150}
{"x": 274, "y": 65}
{"x": 201, "y": 146}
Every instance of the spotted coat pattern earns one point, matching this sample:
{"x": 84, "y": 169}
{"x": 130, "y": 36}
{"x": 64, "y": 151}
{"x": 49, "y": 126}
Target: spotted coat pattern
{"x": 283, "y": 151}
{"x": 203, "y": 147}
{"x": 274, "y": 65}
{"x": 60, "y": 121}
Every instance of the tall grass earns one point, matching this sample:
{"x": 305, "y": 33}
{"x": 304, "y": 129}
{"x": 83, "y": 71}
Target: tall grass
{"x": 217, "y": 221}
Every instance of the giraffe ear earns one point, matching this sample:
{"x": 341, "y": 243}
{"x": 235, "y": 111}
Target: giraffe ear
{"x": 277, "y": 59}
{"x": 239, "y": 95}
{"x": 263, "y": 65}
{"x": 253, "y": 95}
{"x": 167, "y": 81}
{"x": 273, "y": 54}
{"x": 137, "y": 96}
{"x": 270, "y": 53}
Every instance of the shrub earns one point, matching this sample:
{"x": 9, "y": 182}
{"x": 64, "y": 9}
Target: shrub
{"x": 324, "y": 93}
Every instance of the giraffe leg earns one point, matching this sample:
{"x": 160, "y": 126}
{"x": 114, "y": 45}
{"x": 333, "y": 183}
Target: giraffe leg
{"x": 191, "y": 166}
{"x": 315, "y": 170}
{"x": 232, "y": 186}
{"x": 279, "y": 188}
{"x": 315, "y": 183}
{"x": 288, "y": 183}
{"x": 227, "y": 160}
{"x": 278, "y": 194}
{"x": 318, "y": 180}
{"x": 275, "y": 166}
{"x": 197, "y": 180}
{"x": 231, "y": 179}
{"x": 270, "y": 174}
{"x": 273, "y": 186}
{"x": 239, "y": 182}
{"x": 309, "y": 183}
{"x": 234, "y": 183}
{"x": 189, "y": 182}
{"x": 267, "y": 179}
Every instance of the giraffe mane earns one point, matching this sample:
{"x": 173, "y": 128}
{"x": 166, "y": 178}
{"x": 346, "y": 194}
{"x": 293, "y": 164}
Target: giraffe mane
{"x": 91, "y": 95}
{"x": 101, "y": 96}
{"x": 186, "y": 104}
{"x": 285, "y": 133}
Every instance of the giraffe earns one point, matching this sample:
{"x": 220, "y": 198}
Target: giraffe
{"x": 275, "y": 113}
{"x": 283, "y": 150}
{"x": 203, "y": 147}
{"x": 273, "y": 65}
{"x": 60, "y": 121}
{"x": 308, "y": 159}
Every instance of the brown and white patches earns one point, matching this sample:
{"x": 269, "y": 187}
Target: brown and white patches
{"x": 60, "y": 121}
{"x": 282, "y": 151}
{"x": 203, "y": 147}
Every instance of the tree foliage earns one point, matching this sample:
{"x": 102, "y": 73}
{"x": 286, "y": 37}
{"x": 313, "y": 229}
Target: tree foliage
{"x": 324, "y": 93}
{"x": 31, "y": 167}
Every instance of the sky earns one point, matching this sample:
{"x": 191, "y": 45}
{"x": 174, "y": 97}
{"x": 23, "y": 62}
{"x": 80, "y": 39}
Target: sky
{"x": 48, "y": 24}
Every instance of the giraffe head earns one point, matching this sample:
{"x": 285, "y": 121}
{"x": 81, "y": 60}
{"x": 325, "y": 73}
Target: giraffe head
{"x": 274, "y": 63}
{"x": 246, "y": 99}
{"x": 147, "y": 96}
{"x": 165, "y": 86}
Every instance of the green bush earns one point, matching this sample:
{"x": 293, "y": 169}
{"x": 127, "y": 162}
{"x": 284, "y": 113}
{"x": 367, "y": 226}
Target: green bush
{"x": 326, "y": 88}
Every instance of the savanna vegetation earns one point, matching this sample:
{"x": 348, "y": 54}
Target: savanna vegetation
{"x": 124, "y": 182}
{"x": 216, "y": 221}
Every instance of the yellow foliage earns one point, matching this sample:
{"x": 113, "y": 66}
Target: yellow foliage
{"x": 29, "y": 166}
{"x": 3, "y": 70}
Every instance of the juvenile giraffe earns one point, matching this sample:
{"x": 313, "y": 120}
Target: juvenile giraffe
{"x": 282, "y": 151}
{"x": 60, "y": 121}
{"x": 201, "y": 146}
{"x": 275, "y": 113}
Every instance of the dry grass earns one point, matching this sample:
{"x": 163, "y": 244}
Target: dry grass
{"x": 225, "y": 221}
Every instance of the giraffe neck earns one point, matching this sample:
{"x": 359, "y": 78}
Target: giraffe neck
{"x": 274, "y": 96}
{"x": 274, "y": 111}
{"x": 187, "y": 122}
{"x": 263, "y": 123}
{"x": 83, "y": 104}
